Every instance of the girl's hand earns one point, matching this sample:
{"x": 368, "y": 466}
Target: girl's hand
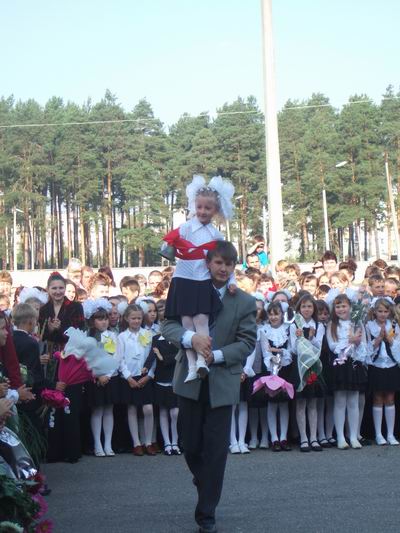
{"x": 232, "y": 289}
{"x": 60, "y": 385}
{"x": 158, "y": 354}
{"x": 243, "y": 377}
{"x": 356, "y": 338}
{"x": 5, "y": 408}
{"x": 299, "y": 332}
{"x": 53, "y": 324}
{"x": 103, "y": 380}
{"x": 144, "y": 371}
{"x": 133, "y": 383}
{"x": 275, "y": 359}
{"x": 44, "y": 359}
{"x": 311, "y": 334}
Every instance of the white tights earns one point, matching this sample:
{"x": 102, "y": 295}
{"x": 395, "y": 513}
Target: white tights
{"x": 255, "y": 416}
{"x": 272, "y": 413}
{"x": 346, "y": 400}
{"x": 325, "y": 418}
{"x": 309, "y": 405}
{"x": 199, "y": 324}
{"x": 242, "y": 423}
{"x": 134, "y": 427}
{"x": 167, "y": 415}
{"x": 102, "y": 416}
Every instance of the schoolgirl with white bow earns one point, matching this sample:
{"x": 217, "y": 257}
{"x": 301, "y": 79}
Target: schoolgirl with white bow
{"x": 383, "y": 335}
{"x": 133, "y": 348}
{"x": 306, "y": 341}
{"x": 348, "y": 355}
{"x": 191, "y": 296}
{"x": 104, "y": 392}
{"x": 275, "y": 347}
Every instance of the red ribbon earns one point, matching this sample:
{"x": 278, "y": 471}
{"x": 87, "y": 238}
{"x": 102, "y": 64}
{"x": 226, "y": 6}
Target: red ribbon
{"x": 185, "y": 249}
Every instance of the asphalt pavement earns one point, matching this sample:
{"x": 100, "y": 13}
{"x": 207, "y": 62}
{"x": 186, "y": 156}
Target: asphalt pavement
{"x": 333, "y": 491}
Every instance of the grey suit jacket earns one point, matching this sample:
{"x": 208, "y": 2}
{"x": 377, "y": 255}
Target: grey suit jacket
{"x": 235, "y": 334}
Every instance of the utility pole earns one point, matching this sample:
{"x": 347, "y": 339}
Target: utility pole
{"x": 274, "y": 188}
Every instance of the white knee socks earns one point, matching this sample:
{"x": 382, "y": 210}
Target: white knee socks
{"x": 164, "y": 425}
{"x": 377, "y": 412}
{"x": 390, "y": 414}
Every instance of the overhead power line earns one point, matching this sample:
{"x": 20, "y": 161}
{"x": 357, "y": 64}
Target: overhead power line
{"x": 205, "y": 114}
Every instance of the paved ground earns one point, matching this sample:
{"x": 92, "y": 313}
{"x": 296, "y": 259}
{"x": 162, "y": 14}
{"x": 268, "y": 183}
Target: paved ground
{"x": 332, "y": 491}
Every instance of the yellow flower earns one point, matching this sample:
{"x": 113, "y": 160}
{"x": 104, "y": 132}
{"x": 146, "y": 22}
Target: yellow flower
{"x": 144, "y": 338}
{"x": 109, "y": 346}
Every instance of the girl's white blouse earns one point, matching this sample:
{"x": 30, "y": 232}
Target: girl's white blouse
{"x": 278, "y": 336}
{"x": 131, "y": 354}
{"x": 383, "y": 360}
{"x": 345, "y": 330}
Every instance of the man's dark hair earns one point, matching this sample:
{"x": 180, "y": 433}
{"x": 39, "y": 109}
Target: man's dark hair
{"x": 224, "y": 249}
{"x": 328, "y": 256}
{"x": 252, "y": 255}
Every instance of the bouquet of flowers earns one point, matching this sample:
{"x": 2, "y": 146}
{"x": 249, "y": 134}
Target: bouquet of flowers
{"x": 53, "y": 399}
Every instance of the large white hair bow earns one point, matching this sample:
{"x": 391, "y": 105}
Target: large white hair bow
{"x": 225, "y": 191}
{"x": 90, "y": 307}
{"x": 197, "y": 183}
{"x": 28, "y": 293}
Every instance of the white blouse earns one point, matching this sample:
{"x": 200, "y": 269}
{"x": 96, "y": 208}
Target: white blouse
{"x": 132, "y": 352}
{"x": 197, "y": 233}
{"x": 345, "y": 329}
{"x": 278, "y": 336}
{"x": 373, "y": 329}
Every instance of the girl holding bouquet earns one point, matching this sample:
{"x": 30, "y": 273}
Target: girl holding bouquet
{"x": 192, "y": 296}
{"x": 133, "y": 348}
{"x": 383, "y": 334}
{"x": 275, "y": 346}
{"x": 348, "y": 354}
{"x": 306, "y": 336}
{"x": 103, "y": 392}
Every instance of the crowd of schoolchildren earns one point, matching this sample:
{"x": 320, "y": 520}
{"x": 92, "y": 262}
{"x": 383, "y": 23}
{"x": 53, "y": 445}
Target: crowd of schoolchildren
{"x": 335, "y": 343}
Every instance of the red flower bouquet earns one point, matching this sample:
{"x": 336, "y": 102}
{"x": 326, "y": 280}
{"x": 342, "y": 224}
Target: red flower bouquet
{"x": 311, "y": 378}
{"x": 54, "y": 398}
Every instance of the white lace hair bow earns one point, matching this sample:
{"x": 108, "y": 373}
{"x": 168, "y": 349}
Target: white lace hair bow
{"x": 333, "y": 293}
{"x": 258, "y": 296}
{"x": 284, "y": 306}
{"x": 377, "y": 298}
{"x": 142, "y": 304}
{"x": 90, "y": 307}
{"x": 121, "y": 307}
{"x": 223, "y": 188}
{"x": 32, "y": 292}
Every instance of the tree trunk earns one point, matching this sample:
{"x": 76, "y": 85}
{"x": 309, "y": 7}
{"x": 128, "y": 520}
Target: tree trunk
{"x": 365, "y": 240}
{"x": 377, "y": 248}
{"x": 389, "y": 238}
{"x": 60, "y": 232}
{"x": 69, "y": 237}
{"x": 82, "y": 231}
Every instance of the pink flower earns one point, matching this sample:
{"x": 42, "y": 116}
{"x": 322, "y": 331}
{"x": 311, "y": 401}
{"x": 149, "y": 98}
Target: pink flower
{"x": 39, "y": 481}
{"x": 43, "y": 507}
{"x": 54, "y": 398}
{"x": 44, "y": 527}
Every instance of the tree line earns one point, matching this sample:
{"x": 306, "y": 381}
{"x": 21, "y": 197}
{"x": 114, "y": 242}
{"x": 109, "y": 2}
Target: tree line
{"x": 101, "y": 183}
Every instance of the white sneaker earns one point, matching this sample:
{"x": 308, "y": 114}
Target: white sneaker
{"x": 99, "y": 453}
{"x": 202, "y": 369}
{"x": 234, "y": 448}
{"x": 380, "y": 440}
{"x": 109, "y": 453}
{"x": 392, "y": 440}
{"x": 342, "y": 445}
{"x": 243, "y": 447}
{"x": 192, "y": 375}
{"x": 355, "y": 444}
{"x": 253, "y": 444}
{"x": 264, "y": 445}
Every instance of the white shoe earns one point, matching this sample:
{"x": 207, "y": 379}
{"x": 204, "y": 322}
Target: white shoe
{"x": 355, "y": 444}
{"x": 234, "y": 448}
{"x": 243, "y": 448}
{"x": 109, "y": 453}
{"x": 264, "y": 445}
{"x": 342, "y": 445}
{"x": 99, "y": 453}
{"x": 253, "y": 444}
{"x": 202, "y": 369}
{"x": 392, "y": 440}
{"x": 380, "y": 440}
{"x": 192, "y": 375}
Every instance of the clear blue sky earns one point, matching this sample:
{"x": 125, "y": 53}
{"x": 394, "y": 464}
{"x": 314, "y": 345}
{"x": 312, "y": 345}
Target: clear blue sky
{"x": 193, "y": 56}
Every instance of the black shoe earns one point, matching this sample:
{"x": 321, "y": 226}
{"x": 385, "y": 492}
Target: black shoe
{"x": 212, "y": 528}
{"x": 315, "y": 446}
{"x": 305, "y": 448}
{"x": 285, "y": 446}
{"x": 168, "y": 449}
{"x": 324, "y": 443}
{"x": 276, "y": 446}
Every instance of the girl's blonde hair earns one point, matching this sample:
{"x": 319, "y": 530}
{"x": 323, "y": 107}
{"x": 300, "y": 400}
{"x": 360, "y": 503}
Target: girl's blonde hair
{"x": 384, "y": 303}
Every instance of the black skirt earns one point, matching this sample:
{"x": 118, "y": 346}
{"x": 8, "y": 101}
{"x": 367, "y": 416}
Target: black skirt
{"x": 188, "y": 297}
{"x": 384, "y": 379}
{"x": 164, "y": 396}
{"x": 351, "y": 376}
{"x": 137, "y": 397}
{"x": 109, "y": 394}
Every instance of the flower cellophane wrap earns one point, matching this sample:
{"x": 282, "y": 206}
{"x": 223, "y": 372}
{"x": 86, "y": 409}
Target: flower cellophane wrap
{"x": 274, "y": 384}
{"x": 308, "y": 356}
{"x": 97, "y": 359}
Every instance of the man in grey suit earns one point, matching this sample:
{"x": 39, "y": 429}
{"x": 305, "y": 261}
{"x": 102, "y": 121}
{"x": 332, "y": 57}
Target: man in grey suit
{"x": 205, "y": 406}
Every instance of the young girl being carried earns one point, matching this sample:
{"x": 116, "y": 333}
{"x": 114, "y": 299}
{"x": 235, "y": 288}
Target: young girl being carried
{"x": 348, "y": 347}
{"x": 133, "y": 348}
{"x": 104, "y": 392}
{"x": 383, "y": 334}
{"x": 275, "y": 346}
{"x": 192, "y": 296}
{"x": 306, "y": 336}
